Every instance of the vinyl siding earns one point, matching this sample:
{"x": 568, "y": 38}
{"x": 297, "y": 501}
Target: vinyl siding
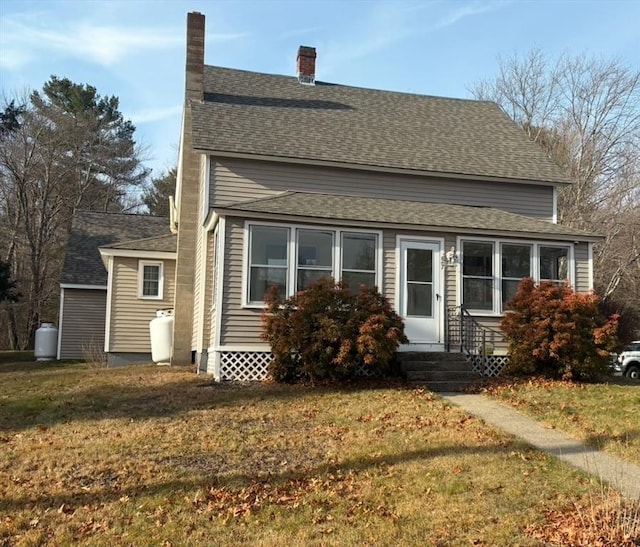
{"x": 243, "y": 326}
{"x": 130, "y": 315}
{"x": 239, "y": 326}
{"x": 215, "y": 264}
{"x": 200, "y": 254}
{"x": 236, "y": 180}
{"x": 83, "y": 321}
{"x": 581, "y": 257}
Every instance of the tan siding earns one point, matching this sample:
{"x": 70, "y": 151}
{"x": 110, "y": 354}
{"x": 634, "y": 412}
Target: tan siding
{"x": 82, "y": 322}
{"x": 130, "y": 315}
{"x": 239, "y": 326}
{"x": 234, "y": 180}
{"x": 389, "y": 265}
{"x": 215, "y": 264}
{"x": 581, "y": 257}
{"x": 208, "y": 289}
{"x": 200, "y": 255}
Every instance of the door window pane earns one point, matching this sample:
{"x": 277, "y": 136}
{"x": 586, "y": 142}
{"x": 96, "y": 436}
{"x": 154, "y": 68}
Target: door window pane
{"x": 420, "y": 299}
{"x": 419, "y": 265}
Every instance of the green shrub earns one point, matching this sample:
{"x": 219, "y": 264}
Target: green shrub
{"x": 558, "y": 333}
{"x": 328, "y": 332}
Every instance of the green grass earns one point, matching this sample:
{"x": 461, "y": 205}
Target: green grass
{"x": 160, "y": 456}
{"x": 603, "y": 415}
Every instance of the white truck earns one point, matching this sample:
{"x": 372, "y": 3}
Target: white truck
{"x": 627, "y": 363}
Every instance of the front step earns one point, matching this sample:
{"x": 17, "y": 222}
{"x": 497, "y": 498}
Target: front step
{"x": 439, "y": 371}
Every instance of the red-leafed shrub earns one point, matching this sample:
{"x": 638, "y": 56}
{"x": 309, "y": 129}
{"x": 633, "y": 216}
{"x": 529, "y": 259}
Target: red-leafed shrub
{"x": 328, "y": 332}
{"x": 558, "y": 333}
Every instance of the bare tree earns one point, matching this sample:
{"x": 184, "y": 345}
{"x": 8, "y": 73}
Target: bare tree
{"x": 585, "y": 112}
{"x": 62, "y": 149}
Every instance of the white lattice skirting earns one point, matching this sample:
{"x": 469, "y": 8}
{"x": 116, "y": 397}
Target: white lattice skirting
{"x": 245, "y": 366}
{"x": 251, "y": 366}
{"x": 493, "y": 364}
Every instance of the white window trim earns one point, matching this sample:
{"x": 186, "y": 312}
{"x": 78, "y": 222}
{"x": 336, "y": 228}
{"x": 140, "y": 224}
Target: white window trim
{"x": 292, "y": 254}
{"x": 497, "y": 270}
{"x": 141, "y": 266}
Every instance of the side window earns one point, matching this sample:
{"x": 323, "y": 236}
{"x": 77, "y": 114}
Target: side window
{"x": 554, "y": 263}
{"x": 315, "y": 256}
{"x": 268, "y": 261}
{"x": 477, "y": 275}
{"x": 359, "y": 259}
{"x": 150, "y": 280}
{"x": 516, "y": 265}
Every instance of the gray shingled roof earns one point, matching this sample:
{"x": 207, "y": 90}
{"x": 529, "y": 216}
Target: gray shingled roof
{"x": 275, "y": 116}
{"x": 166, "y": 243}
{"x": 458, "y": 218}
{"x": 90, "y": 230}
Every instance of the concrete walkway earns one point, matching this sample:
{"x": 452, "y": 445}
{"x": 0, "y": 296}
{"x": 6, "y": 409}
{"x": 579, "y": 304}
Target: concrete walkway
{"x": 622, "y": 475}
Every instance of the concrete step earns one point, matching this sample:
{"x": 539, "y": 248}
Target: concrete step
{"x": 438, "y": 371}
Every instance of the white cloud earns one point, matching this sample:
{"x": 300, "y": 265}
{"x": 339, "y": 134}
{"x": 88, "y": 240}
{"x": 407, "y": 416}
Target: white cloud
{"x": 154, "y": 114}
{"x": 101, "y": 44}
{"x": 466, "y": 10}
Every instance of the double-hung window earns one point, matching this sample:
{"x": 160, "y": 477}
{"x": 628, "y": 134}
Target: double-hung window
{"x": 516, "y": 265}
{"x": 477, "y": 275}
{"x": 315, "y": 256}
{"x": 150, "y": 280}
{"x": 493, "y": 270}
{"x": 554, "y": 263}
{"x": 268, "y": 260}
{"x": 359, "y": 259}
{"x": 292, "y": 258}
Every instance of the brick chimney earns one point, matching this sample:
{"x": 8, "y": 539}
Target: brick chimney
{"x": 195, "y": 55}
{"x": 306, "y": 65}
{"x": 187, "y": 199}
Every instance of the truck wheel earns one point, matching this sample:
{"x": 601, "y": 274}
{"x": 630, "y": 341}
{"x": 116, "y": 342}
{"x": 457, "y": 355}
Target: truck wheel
{"x": 633, "y": 372}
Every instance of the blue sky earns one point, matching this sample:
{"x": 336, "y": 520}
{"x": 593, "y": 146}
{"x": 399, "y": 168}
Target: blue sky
{"x": 134, "y": 49}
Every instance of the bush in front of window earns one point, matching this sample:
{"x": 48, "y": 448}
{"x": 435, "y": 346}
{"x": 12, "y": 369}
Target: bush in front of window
{"x": 556, "y": 332}
{"x": 327, "y": 332}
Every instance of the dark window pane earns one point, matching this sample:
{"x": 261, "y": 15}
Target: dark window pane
{"x": 516, "y": 261}
{"x": 262, "y": 278}
{"x": 269, "y": 246}
{"x": 306, "y": 277}
{"x": 477, "y": 294}
{"x": 554, "y": 263}
{"x": 315, "y": 248}
{"x": 359, "y": 252}
{"x": 509, "y": 288}
{"x": 419, "y": 265}
{"x": 355, "y": 279}
{"x": 477, "y": 259}
{"x": 420, "y": 299}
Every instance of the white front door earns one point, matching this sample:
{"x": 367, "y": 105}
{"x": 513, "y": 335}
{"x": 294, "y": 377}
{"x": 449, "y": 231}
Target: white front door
{"x": 421, "y": 296}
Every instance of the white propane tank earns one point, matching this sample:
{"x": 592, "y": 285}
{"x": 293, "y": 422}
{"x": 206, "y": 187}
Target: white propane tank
{"x": 161, "y": 330}
{"x": 46, "y": 342}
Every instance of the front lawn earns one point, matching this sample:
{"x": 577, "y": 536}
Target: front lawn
{"x": 604, "y": 415}
{"x": 152, "y": 455}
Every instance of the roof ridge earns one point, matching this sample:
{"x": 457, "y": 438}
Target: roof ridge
{"x": 360, "y": 88}
{"x": 138, "y": 240}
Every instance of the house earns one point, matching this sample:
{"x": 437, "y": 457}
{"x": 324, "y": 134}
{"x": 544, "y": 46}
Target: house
{"x": 118, "y": 270}
{"x": 444, "y": 204}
